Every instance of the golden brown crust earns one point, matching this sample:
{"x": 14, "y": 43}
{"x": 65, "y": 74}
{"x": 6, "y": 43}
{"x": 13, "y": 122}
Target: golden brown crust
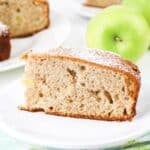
{"x": 125, "y": 118}
{"x": 89, "y": 5}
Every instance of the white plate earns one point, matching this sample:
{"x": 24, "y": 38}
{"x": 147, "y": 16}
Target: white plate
{"x": 69, "y": 133}
{"x": 86, "y": 11}
{"x": 52, "y": 37}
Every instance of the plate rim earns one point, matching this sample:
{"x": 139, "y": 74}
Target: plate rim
{"x": 36, "y": 141}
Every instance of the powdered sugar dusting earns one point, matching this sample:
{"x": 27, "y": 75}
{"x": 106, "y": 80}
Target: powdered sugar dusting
{"x": 4, "y": 31}
{"x": 101, "y": 57}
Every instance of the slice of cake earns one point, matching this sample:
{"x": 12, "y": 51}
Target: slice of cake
{"x": 24, "y": 17}
{"x": 85, "y": 83}
{"x": 101, "y": 3}
{"x": 4, "y": 42}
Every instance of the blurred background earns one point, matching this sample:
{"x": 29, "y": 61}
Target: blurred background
{"x": 78, "y": 17}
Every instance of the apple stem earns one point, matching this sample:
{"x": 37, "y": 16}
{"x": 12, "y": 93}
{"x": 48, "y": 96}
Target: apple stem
{"x": 118, "y": 39}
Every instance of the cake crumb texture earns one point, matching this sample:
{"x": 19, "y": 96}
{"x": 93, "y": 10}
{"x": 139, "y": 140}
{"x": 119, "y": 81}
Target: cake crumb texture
{"x": 24, "y": 17}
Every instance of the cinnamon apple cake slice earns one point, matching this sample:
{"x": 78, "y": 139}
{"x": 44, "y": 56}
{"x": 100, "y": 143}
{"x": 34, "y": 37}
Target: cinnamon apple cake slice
{"x": 85, "y": 83}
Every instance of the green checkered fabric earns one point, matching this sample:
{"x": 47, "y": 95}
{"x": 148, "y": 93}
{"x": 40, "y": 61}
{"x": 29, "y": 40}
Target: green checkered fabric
{"x": 9, "y": 143}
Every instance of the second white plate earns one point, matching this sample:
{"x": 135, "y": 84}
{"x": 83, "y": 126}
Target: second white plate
{"x": 52, "y": 37}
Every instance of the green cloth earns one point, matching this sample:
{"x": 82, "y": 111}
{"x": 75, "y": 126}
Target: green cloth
{"x": 9, "y": 143}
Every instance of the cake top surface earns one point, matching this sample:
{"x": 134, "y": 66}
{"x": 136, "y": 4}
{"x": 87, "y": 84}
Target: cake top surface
{"x": 4, "y": 31}
{"x": 97, "y": 56}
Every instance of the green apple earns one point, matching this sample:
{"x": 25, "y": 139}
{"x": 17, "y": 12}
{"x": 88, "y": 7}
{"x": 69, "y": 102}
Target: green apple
{"x": 120, "y": 30}
{"x": 143, "y": 6}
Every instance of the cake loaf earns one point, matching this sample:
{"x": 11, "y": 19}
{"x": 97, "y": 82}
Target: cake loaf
{"x": 85, "y": 83}
{"x": 24, "y": 17}
{"x": 101, "y": 3}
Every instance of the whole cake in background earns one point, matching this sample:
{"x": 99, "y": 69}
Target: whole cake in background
{"x": 101, "y": 3}
{"x": 4, "y": 42}
{"x": 85, "y": 83}
{"x": 24, "y": 17}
